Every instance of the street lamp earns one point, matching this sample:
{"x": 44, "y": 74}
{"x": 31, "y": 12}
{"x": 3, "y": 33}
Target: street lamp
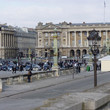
{"x": 94, "y": 43}
{"x": 108, "y": 46}
{"x": 55, "y": 48}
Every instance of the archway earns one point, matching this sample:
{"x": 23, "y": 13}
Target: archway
{"x": 84, "y": 52}
{"x": 51, "y": 53}
{"x": 78, "y": 53}
{"x": 71, "y": 53}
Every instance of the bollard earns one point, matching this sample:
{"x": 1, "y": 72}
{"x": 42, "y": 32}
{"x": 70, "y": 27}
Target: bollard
{"x": 1, "y": 85}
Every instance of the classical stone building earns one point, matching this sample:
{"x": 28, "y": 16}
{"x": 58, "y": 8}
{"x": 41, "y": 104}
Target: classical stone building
{"x": 26, "y": 41}
{"x": 16, "y": 41}
{"x": 8, "y": 44}
{"x": 72, "y": 38}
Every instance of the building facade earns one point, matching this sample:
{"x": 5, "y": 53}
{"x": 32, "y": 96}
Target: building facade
{"x": 72, "y": 38}
{"x": 26, "y": 41}
{"x": 16, "y": 42}
{"x": 8, "y": 44}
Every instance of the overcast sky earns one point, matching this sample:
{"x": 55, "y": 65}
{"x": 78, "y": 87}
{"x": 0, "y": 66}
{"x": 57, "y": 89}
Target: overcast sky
{"x": 27, "y": 13}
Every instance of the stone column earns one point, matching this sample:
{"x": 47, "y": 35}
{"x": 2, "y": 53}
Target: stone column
{"x": 49, "y": 39}
{"x": 13, "y": 40}
{"x": 9, "y": 40}
{"x": 106, "y": 37}
{"x": 3, "y": 40}
{"x": 69, "y": 39}
{"x": 0, "y": 40}
{"x": 42, "y": 41}
{"x": 66, "y": 39}
{"x": 81, "y": 39}
{"x": 87, "y": 39}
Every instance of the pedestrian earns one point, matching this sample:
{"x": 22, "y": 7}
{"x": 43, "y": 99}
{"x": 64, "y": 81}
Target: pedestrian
{"x": 79, "y": 68}
{"x": 12, "y": 69}
{"x": 21, "y": 68}
{"x": 29, "y": 76}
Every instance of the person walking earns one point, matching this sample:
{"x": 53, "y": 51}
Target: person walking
{"x": 29, "y": 76}
{"x": 79, "y": 68}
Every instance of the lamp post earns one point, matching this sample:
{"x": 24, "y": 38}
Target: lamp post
{"x": 108, "y": 46}
{"x": 55, "y": 48}
{"x": 94, "y": 43}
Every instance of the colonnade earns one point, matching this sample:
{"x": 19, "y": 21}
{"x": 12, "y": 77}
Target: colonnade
{"x": 7, "y": 40}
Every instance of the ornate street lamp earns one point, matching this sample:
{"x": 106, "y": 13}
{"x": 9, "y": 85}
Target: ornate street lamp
{"x": 108, "y": 46}
{"x": 94, "y": 43}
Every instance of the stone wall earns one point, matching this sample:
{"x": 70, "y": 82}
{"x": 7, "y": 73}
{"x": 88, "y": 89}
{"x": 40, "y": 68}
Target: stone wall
{"x": 22, "y": 78}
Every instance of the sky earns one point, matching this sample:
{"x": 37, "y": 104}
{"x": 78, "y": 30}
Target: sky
{"x": 28, "y": 13}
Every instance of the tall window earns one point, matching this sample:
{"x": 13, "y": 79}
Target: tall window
{"x": 73, "y": 34}
{"x": 79, "y": 42}
{"x": 73, "y": 43}
{"x": 52, "y": 34}
{"x": 46, "y": 34}
{"x": 58, "y": 43}
{"x": 46, "y": 42}
{"x": 85, "y": 33}
{"x": 79, "y": 34}
{"x": 52, "y": 43}
{"x": 58, "y": 34}
{"x": 104, "y": 33}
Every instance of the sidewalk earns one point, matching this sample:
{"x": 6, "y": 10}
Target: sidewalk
{"x": 14, "y": 89}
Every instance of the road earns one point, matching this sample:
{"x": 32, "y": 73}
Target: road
{"x": 33, "y": 99}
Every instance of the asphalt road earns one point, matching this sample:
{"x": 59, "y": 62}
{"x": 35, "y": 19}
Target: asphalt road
{"x": 33, "y": 99}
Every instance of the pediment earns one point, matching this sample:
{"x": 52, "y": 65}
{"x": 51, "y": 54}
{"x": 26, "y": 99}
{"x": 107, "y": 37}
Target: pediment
{"x": 51, "y": 26}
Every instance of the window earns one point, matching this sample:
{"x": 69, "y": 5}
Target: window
{"x": 104, "y": 33}
{"x": 85, "y": 33}
{"x": 46, "y": 34}
{"x": 79, "y": 34}
{"x": 58, "y": 43}
{"x": 73, "y": 34}
{"x": 64, "y": 41}
{"x": 52, "y": 43}
{"x": 52, "y": 34}
{"x": 58, "y": 34}
{"x": 73, "y": 43}
{"x": 79, "y": 42}
{"x": 46, "y": 43}
{"x": 39, "y": 35}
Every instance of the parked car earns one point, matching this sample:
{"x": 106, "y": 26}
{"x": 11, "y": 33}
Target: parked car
{"x": 4, "y": 68}
{"x": 9, "y": 68}
{"x": 36, "y": 67}
{"x": 28, "y": 67}
{"x": 46, "y": 66}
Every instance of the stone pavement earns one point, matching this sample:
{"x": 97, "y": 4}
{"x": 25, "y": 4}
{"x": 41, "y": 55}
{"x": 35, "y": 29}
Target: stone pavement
{"x": 9, "y": 90}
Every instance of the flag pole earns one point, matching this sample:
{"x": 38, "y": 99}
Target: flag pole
{"x": 104, "y": 10}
